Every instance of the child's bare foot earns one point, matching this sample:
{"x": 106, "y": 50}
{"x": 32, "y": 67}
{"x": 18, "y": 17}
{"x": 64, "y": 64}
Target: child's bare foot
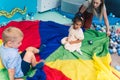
{"x": 36, "y": 50}
{"x": 79, "y": 51}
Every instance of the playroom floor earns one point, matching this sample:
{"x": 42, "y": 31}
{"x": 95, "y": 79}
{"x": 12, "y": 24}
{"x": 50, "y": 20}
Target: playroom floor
{"x": 57, "y": 17}
{"x": 50, "y": 16}
{"x": 115, "y": 60}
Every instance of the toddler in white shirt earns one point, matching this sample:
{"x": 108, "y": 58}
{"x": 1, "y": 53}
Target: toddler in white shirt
{"x": 74, "y": 40}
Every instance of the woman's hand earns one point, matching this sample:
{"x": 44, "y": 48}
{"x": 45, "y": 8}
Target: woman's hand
{"x": 108, "y": 32}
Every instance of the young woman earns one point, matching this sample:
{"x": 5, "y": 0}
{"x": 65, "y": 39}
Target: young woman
{"x": 92, "y": 8}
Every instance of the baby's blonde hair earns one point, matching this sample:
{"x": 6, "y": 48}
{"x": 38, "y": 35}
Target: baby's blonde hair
{"x": 11, "y": 34}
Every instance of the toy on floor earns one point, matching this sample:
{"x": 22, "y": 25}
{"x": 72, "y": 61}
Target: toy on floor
{"x": 3, "y": 24}
{"x": 118, "y": 31}
{"x": 114, "y": 46}
{"x": 99, "y": 28}
{"x": 117, "y": 68}
{"x": 90, "y": 42}
{"x": 29, "y": 16}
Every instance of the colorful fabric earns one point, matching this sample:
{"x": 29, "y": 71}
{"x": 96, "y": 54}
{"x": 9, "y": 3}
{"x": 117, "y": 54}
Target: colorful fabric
{"x": 60, "y": 64}
{"x": 94, "y": 64}
{"x": 30, "y": 30}
{"x": 51, "y": 34}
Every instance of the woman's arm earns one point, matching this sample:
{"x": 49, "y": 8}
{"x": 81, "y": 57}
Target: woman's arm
{"x": 84, "y": 6}
{"x": 106, "y": 22}
{"x": 82, "y": 9}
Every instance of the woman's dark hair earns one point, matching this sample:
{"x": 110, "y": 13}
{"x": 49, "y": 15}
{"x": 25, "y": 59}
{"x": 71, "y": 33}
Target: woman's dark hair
{"x": 78, "y": 17}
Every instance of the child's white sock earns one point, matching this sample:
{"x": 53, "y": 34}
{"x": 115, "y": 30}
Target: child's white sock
{"x": 79, "y": 51}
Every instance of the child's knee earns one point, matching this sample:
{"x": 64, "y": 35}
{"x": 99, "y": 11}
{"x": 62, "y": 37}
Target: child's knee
{"x": 63, "y": 41}
{"x": 32, "y": 49}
